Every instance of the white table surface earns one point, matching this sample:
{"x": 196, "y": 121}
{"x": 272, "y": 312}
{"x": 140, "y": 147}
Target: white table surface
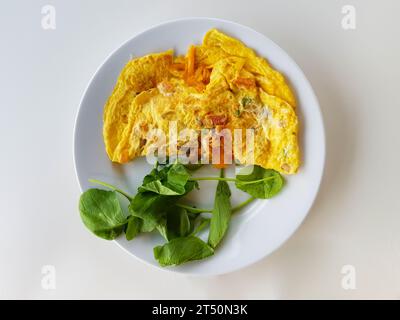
{"x": 356, "y": 217}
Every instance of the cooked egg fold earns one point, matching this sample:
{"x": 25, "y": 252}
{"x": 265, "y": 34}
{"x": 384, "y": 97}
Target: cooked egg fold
{"x": 220, "y": 84}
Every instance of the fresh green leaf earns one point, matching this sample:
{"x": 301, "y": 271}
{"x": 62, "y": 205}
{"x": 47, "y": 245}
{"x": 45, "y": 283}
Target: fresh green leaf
{"x": 260, "y": 183}
{"x": 133, "y": 227}
{"x": 170, "y": 180}
{"x": 158, "y": 187}
{"x": 178, "y": 223}
{"x": 152, "y": 176}
{"x": 221, "y": 214}
{"x": 162, "y": 228}
{"x": 158, "y": 173}
{"x": 202, "y": 223}
{"x": 101, "y": 213}
{"x": 181, "y": 250}
{"x": 190, "y": 185}
{"x": 161, "y": 189}
{"x": 155, "y": 207}
{"x": 150, "y": 207}
{"x": 177, "y": 176}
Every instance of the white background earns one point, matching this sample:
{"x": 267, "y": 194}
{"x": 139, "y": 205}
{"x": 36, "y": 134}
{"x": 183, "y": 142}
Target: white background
{"x": 356, "y": 217}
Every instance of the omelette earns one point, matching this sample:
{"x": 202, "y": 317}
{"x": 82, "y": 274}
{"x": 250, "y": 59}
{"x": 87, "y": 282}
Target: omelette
{"x": 219, "y": 84}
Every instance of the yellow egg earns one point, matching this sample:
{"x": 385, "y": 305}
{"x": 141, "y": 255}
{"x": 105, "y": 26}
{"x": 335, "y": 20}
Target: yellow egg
{"x": 220, "y": 84}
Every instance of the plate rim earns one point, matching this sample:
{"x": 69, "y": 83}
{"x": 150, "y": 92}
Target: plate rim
{"x": 319, "y": 114}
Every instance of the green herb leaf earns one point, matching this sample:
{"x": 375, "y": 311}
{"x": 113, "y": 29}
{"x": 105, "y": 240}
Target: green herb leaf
{"x": 221, "y": 214}
{"x": 178, "y": 223}
{"x": 101, "y": 213}
{"x": 169, "y": 181}
{"x": 271, "y": 182}
{"x": 177, "y": 176}
{"x": 160, "y": 190}
{"x": 150, "y": 207}
{"x": 175, "y": 224}
{"x": 202, "y": 223}
{"x": 158, "y": 187}
{"x": 190, "y": 185}
{"x": 181, "y": 250}
{"x": 155, "y": 174}
{"x": 162, "y": 228}
{"x": 133, "y": 227}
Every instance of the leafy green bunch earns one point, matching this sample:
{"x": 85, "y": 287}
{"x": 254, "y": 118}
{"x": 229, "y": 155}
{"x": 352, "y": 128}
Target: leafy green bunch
{"x": 157, "y": 207}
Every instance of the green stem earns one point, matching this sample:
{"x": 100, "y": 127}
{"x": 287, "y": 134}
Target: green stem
{"x": 202, "y": 210}
{"x": 231, "y": 179}
{"x": 193, "y": 209}
{"x": 243, "y": 204}
{"x": 110, "y": 186}
{"x": 213, "y": 179}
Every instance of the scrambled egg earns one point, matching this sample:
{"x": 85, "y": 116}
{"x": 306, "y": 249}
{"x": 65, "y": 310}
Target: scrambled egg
{"x": 218, "y": 84}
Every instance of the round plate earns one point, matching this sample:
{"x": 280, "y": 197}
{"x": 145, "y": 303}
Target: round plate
{"x": 259, "y": 228}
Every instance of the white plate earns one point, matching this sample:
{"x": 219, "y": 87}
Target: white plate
{"x": 258, "y": 229}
